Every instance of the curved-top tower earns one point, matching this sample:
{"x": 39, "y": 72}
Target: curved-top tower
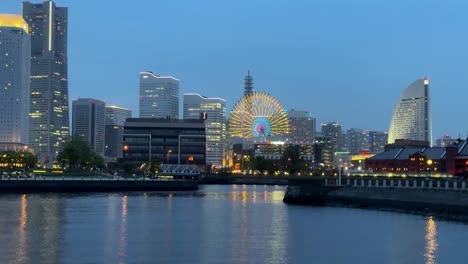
{"x": 412, "y": 117}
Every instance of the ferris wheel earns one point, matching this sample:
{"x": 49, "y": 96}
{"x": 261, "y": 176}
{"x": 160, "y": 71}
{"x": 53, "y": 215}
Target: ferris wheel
{"x": 258, "y": 115}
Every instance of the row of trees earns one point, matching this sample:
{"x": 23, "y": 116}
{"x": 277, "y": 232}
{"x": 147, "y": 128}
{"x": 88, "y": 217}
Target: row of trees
{"x": 14, "y": 160}
{"x": 290, "y": 161}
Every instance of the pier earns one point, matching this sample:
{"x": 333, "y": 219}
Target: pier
{"x": 448, "y": 197}
{"x": 92, "y": 184}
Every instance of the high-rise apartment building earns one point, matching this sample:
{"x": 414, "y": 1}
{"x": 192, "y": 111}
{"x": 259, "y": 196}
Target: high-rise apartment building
{"x": 412, "y": 117}
{"x": 159, "y": 96}
{"x": 377, "y": 141}
{"x": 115, "y": 120}
{"x": 333, "y": 131}
{"x": 49, "y": 122}
{"x": 357, "y": 140}
{"x": 88, "y": 122}
{"x": 302, "y": 127}
{"x": 15, "y": 69}
{"x": 213, "y": 110}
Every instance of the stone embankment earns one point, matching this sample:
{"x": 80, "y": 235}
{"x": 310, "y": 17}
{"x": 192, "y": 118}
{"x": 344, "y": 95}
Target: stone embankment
{"x": 44, "y": 184}
{"x": 444, "y": 197}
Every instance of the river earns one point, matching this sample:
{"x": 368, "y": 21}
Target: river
{"x": 217, "y": 224}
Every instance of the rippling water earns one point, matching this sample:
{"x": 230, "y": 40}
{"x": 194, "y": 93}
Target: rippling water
{"x": 217, "y": 224}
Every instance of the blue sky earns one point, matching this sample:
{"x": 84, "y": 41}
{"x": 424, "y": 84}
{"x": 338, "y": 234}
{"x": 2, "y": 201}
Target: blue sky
{"x": 345, "y": 61}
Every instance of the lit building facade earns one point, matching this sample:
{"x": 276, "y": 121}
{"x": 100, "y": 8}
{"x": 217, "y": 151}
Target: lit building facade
{"x": 159, "y": 140}
{"x": 452, "y": 159}
{"x": 159, "y": 96}
{"x": 49, "y": 111}
{"x": 377, "y": 141}
{"x": 15, "y": 70}
{"x": 333, "y": 130}
{"x": 412, "y": 117}
{"x": 89, "y": 122}
{"x": 115, "y": 120}
{"x": 302, "y": 127}
{"x": 213, "y": 111}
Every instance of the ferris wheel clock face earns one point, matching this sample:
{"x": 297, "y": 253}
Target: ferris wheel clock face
{"x": 261, "y": 127}
{"x": 258, "y": 115}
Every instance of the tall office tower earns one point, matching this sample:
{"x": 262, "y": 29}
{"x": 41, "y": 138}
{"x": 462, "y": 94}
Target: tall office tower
{"x": 248, "y": 84}
{"x": 49, "y": 122}
{"x": 302, "y": 127}
{"x": 115, "y": 120}
{"x": 377, "y": 141}
{"x": 333, "y": 130}
{"x": 15, "y": 68}
{"x": 412, "y": 117}
{"x": 159, "y": 96}
{"x": 214, "y": 111}
{"x": 88, "y": 122}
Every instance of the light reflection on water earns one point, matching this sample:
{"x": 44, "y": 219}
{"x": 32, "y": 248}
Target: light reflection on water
{"x": 123, "y": 231}
{"x": 21, "y": 248}
{"x": 431, "y": 241}
{"x": 218, "y": 224}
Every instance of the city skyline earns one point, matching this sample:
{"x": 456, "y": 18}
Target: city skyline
{"x": 356, "y": 60}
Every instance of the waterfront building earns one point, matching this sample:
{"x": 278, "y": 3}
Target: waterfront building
{"x": 159, "y": 96}
{"x": 213, "y": 112}
{"x": 15, "y": 70}
{"x": 88, "y": 122}
{"x": 159, "y": 141}
{"x": 333, "y": 130}
{"x": 452, "y": 159}
{"x": 49, "y": 122}
{"x": 412, "y": 117}
{"x": 114, "y": 125}
{"x": 302, "y": 127}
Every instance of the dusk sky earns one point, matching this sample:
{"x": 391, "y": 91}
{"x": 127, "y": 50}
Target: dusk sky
{"x": 345, "y": 61}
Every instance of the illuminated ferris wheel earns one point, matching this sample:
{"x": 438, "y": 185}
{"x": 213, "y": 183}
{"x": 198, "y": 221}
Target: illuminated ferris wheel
{"x": 258, "y": 115}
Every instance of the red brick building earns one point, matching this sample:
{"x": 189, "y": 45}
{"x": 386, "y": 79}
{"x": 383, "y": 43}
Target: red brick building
{"x": 452, "y": 159}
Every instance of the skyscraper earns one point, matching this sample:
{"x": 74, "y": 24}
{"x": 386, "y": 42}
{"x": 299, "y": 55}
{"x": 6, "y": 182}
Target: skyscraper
{"x": 115, "y": 120}
{"x": 302, "y": 127}
{"x": 88, "y": 119}
{"x": 15, "y": 68}
{"x": 49, "y": 122}
{"x": 333, "y": 130}
{"x": 159, "y": 96}
{"x": 412, "y": 118}
{"x": 214, "y": 110}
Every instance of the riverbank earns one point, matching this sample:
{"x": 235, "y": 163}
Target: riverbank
{"x": 451, "y": 203}
{"x": 94, "y": 184}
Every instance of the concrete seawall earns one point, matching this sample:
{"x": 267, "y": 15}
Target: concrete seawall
{"x": 92, "y": 185}
{"x": 446, "y": 202}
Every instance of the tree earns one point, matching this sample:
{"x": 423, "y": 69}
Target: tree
{"x": 291, "y": 160}
{"x": 78, "y": 154}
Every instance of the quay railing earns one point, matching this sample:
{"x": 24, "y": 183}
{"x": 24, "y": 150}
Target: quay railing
{"x": 426, "y": 183}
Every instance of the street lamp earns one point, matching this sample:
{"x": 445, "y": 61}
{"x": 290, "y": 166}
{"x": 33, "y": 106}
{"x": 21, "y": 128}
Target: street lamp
{"x": 429, "y": 163}
{"x": 168, "y": 155}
